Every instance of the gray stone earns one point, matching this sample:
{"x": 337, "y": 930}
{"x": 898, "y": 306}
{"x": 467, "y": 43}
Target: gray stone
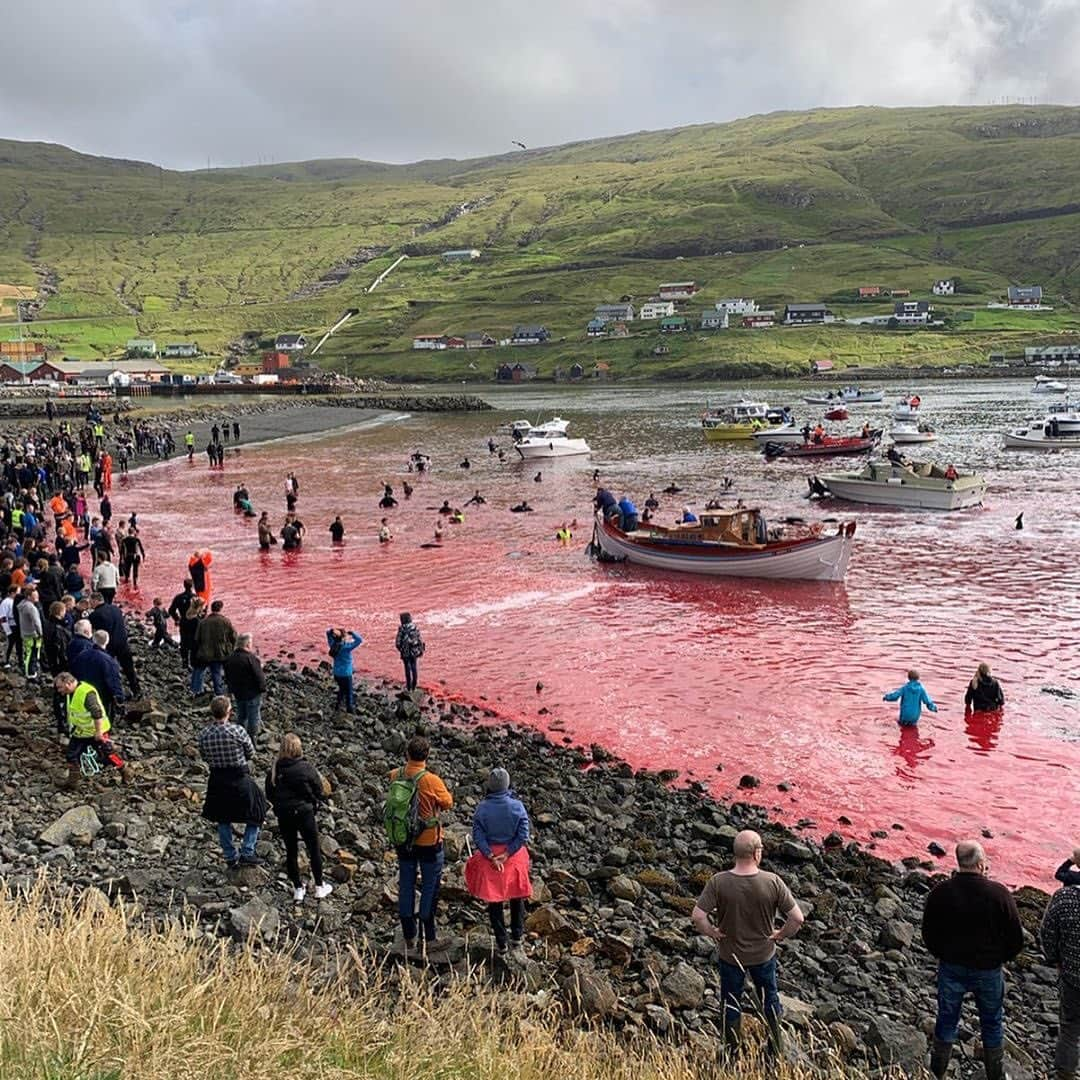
{"x": 625, "y": 888}
{"x": 589, "y": 993}
{"x": 795, "y": 852}
{"x": 897, "y": 934}
{"x": 683, "y": 988}
{"x": 797, "y": 1013}
{"x": 256, "y": 917}
{"x": 891, "y": 1043}
{"x": 79, "y": 820}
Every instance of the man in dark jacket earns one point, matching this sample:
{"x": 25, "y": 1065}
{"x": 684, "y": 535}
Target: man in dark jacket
{"x": 108, "y": 617}
{"x": 50, "y": 584}
{"x": 971, "y": 925}
{"x": 246, "y": 682}
{"x": 1060, "y": 936}
{"x": 96, "y": 667}
{"x": 215, "y": 640}
{"x": 56, "y": 638}
{"x": 177, "y": 610}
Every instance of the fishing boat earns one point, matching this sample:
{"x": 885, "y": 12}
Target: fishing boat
{"x": 1036, "y": 438}
{"x": 738, "y": 421}
{"x": 853, "y": 395}
{"x": 828, "y": 446}
{"x": 837, "y": 413}
{"x": 1062, "y": 418}
{"x": 550, "y": 441}
{"x": 914, "y": 486}
{"x": 825, "y": 399}
{"x": 785, "y": 433}
{"x": 904, "y": 432}
{"x": 732, "y": 543}
{"x": 1045, "y": 385}
{"x": 907, "y": 408}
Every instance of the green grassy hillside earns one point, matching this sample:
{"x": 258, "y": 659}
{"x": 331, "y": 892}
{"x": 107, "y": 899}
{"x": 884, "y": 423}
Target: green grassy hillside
{"x": 790, "y": 206}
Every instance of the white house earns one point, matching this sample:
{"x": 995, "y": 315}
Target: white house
{"x": 912, "y": 312}
{"x": 945, "y": 287}
{"x": 461, "y": 255}
{"x": 656, "y": 309}
{"x": 290, "y": 343}
{"x": 737, "y": 305}
{"x": 181, "y": 349}
{"x": 429, "y": 341}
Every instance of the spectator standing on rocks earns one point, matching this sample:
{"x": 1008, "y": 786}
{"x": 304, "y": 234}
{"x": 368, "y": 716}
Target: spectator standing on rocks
{"x": 414, "y": 802}
{"x": 295, "y": 789}
{"x": 247, "y": 684}
{"x": 971, "y": 925}
{"x": 88, "y": 723}
{"x": 107, "y": 616}
{"x": 984, "y": 692}
{"x": 181, "y": 602}
{"x": 189, "y": 629}
{"x": 215, "y": 640}
{"x": 30, "y": 630}
{"x": 92, "y": 663}
{"x": 341, "y": 652}
{"x": 738, "y": 909}
{"x": 159, "y": 620}
{"x": 105, "y": 578}
{"x": 231, "y": 793}
{"x": 912, "y": 697}
{"x": 410, "y": 646}
{"x": 1060, "y": 937}
{"x": 499, "y": 869}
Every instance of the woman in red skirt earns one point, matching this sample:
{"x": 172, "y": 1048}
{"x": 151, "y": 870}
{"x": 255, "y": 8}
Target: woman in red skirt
{"x": 499, "y": 869}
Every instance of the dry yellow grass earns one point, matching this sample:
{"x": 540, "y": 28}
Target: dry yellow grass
{"x": 88, "y": 995}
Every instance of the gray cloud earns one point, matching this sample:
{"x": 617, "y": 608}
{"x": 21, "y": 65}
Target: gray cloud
{"x": 238, "y": 81}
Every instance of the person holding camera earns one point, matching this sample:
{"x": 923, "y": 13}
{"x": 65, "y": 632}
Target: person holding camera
{"x": 341, "y": 651}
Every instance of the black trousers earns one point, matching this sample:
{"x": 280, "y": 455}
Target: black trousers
{"x": 127, "y": 666}
{"x": 295, "y": 824}
{"x": 498, "y": 921}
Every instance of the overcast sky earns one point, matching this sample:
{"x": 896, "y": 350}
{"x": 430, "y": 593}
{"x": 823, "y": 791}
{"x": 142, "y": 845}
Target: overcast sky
{"x": 241, "y": 81}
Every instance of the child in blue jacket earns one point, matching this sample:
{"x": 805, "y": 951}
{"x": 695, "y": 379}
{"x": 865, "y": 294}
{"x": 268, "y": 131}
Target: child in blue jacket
{"x": 912, "y": 697}
{"x": 341, "y": 651}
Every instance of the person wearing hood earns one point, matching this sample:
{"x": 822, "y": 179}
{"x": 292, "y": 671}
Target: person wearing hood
{"x": 984, "y": 692}
{"x": 341, "y": 651}
{"x": 912, "y": 697}
{"x": 499, "y": 869}
{"x": 295, "y": 790}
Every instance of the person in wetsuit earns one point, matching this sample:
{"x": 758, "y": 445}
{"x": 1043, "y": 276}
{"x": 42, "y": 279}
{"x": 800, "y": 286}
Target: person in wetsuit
{"x": 337, "y": 530}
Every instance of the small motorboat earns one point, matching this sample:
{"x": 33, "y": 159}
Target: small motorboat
{"x": 911, "y": 486}
{"x": 838, "y": 412}
{"x": 1045, "y": 385}
{"x": 550, "y": 441}
{"x": 1036, "y": 438}
{"x": 907, "y": 408}
{"x": 738, "y": 421}
{"x": 853, "y": 395}
{"x": 731, "y": 543}
{"x": 520, "y": 428}
{"x": 825, "y": 399}
{"x": 903, "y": 432}
{"x": 785, "y": 433}
{"x": 828, "y": 446}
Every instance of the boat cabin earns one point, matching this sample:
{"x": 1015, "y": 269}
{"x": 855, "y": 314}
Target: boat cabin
{"x": 744, "y": 527}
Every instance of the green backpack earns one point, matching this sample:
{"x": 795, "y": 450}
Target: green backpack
{"x": 401, "y": 814}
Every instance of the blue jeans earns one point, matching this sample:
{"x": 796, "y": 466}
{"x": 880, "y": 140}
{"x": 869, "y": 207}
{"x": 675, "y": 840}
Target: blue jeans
{"x": 410, "y": 672}
{"x": 248, "y": 715}
{"x": 247, "y": 845}
{"x": 763, "y": 976}
{"x": 987, "y": 987}
{"x": 429, "y": 863}
{"x": 217, "y": 677}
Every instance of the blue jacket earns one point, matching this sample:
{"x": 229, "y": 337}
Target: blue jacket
{"x": 100, "y": 670}
{"x": 500, "y": 819}
{"x": 343, "y": 660}
{"x": 912, "y": 697}
{"x": 77, "y": 646}
{"x": 110, "y": 618}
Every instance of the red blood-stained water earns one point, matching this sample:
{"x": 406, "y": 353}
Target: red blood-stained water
{"x": 783, "y": 680}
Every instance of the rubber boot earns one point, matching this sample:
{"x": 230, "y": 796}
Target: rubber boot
{"x": 733, "y": 1034}
{"x": 939, "y": 1058}
{"x": 994, "y": 1063}
{"x": 74, "y": 775}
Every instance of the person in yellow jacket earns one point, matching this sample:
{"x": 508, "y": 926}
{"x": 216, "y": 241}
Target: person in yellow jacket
{"x": 88, "y": 724}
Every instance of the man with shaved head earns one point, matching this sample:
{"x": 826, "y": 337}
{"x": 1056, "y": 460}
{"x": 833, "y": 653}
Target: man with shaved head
{"x": 971, "y": 925}
{"x": 738, "y": 909}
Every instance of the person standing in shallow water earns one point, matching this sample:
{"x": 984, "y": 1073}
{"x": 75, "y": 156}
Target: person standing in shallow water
{"x": 912, "y": 697}
{"x": 984, "y": 692}
{"x": 410, "y": 646}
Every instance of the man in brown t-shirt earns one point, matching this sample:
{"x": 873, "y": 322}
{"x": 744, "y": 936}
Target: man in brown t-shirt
{"x": 745, "y": 902}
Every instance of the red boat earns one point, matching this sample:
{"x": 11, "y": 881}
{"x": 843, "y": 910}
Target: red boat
{"x": 839, "y": 413}
{"x": 829, "y": 446}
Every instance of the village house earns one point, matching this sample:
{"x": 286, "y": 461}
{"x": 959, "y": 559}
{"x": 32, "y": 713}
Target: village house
{"x": 1025, "y": 295}
{"x": 737, "y": 305}
{"x": 656, "y": 309}
{"x": 529, "y": 335}
{"x": 618, "y": 329}
{"x": 477, "y": 339}
{"x": 596, "y": 328}
{"x": 290, "y": 343}
{"x": 677, "y": 290}
{"x": 17, "y": 371}
{"x": 614, "y": 312}
{"x": 274, "y": 362}
{"x": 577, "y": 372}
{"x": 99, "y": 373}
{"x": 1037, "y": 354}
{"x": 141, "y": 347}
{"x": 22, "y": 350}
{"x": 673, "y": 324}
{"x": 894, "y": 293}
{"x": 602, "y": 370}
{"x": 819, "y": 367}
{"x": 912, "y": 312}
{"x": 868, "y": 291}
{"x": 429, "y": 341}
{"x": 181, "y": 349}
{"x": 759, "y": 320}
{"x": 714, "y": 320}
{"x": 944, "y": 287}
{"x": 515, "y": 373}
{"x": 807, "y": 314}
{"x": 461, "y": 255}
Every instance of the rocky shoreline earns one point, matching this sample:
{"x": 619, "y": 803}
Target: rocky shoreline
{"x": 619, "y": 857}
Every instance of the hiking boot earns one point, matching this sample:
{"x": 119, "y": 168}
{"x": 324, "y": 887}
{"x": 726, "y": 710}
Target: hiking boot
{"x": 939, "y": 1058}
{"x": 71, "y": 781}
{"x": 232, "y": 864}
{"x": 127, "y": 774}
{"x": 994, "y": 1063}
{"x": 251, "y": 860}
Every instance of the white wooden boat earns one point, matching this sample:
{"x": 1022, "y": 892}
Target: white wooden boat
{"x": 785, "y": 433}
{"x": 853, "y": 395}
{"x": 1038, "y": 437}
{"x": 735, "y": 543}
{"x": 916, "y": 486}
{"x": 904, "y": 432}
{"x": 1045, "y": 385}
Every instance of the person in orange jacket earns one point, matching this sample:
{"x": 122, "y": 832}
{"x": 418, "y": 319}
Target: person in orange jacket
{"x": 199, "y": 572}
